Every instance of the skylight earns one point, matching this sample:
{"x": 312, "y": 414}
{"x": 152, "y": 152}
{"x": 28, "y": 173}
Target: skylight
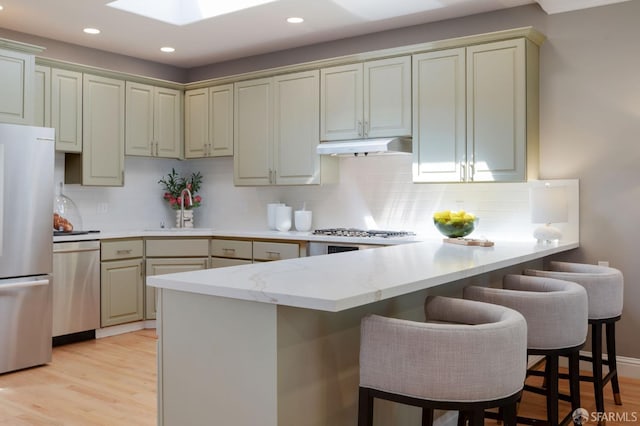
{"x": 184, "y": 12}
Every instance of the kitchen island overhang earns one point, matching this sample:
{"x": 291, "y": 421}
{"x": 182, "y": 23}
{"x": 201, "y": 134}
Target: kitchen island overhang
{"x": 278, "y": 343}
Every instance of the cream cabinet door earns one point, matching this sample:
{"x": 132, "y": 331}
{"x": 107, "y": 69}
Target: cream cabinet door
{"x": 220, "y": 121}
{"x": 103, "y": 131}
{"x": 139, "y": 120}
{"x": 497, "y": 111}
{"x": 387, "y": 97}
{"x": 153, "y": 121}
{"x": 66, "y": 109}
{"x": 168, "y": 266}
{"x": 196, "y": 123}
{"x": 167, "y": 122}
{"x": 16, "y": 87}
{"x": 296, "y": 128}
{"x": 439, "y": 108}
{"x": 42, "y": 103}
{"x": 341, "y": 103}
{"x": 253, "y": 132}
{"x": 121, "y": 298}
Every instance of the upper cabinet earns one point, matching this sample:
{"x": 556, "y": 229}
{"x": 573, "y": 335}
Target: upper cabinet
{"x": 58, "y": 104}
{"x": 253, "y": 132}
{"x": 276, "y": 131}
{"x": 102, "y": 160}
{"x": 17, "y": 81}
{"x": 476, "y": 113}
{"x": 366, "y": 100}
{"x": 42, "y": 96}
{"x": 209, "y": 122}
{"x": 153, "y": 121}
{"x": 66, "y": 109}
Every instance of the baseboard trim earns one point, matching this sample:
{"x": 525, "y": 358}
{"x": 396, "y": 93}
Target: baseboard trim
{"x": 124, "y": 328}
{"x": 447, "y": 418}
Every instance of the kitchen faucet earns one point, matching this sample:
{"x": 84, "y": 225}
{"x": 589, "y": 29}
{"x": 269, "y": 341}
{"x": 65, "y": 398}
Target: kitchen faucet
{"x": 182, "y": 219}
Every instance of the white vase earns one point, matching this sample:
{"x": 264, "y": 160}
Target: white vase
{"x": 188, "y": 219}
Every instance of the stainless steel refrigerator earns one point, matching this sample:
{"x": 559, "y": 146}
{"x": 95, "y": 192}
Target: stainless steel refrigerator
{"x": 26, "y": 208}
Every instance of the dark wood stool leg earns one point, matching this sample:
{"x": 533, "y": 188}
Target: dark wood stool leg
{"x": 427, "y": 416}
{"x": 477, "y": 417}
{"x": 365, "y": 407}
{"x": 462, "y": 418}
{"x": 552, "y": 390}
{"x": 596, "y": 353}
{"x": 611, "y": 356}
{"x": 574, "y": 379}
{"x": 509, "y": 413}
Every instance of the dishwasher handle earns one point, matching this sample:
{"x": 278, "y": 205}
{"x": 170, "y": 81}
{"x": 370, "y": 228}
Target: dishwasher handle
{"x": 22, "y": 283}
{"x": 74, "y": 247}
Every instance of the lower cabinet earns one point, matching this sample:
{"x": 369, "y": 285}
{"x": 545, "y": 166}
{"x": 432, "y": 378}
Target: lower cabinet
{"x": 168, "y": 266}
{"x": 121, "y": 282}
{"x": 226, "y": 252}
{"x": 267, "y": 251}
{"x": 172, "y": 255}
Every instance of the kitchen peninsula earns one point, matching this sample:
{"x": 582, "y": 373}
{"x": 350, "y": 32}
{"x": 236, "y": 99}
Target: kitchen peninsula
{"x": 277, "y": 343}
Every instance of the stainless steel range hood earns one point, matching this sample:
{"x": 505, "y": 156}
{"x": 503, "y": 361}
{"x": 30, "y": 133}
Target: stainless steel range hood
{"x": 366, "y": 146}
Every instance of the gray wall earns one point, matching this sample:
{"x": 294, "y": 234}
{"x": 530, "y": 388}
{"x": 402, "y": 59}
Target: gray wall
{"x": 99, "y": 58}
{"x": 589, "y": 113}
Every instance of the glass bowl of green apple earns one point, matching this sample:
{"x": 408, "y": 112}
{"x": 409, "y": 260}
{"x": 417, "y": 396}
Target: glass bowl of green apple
{"x": 455, "y": 224}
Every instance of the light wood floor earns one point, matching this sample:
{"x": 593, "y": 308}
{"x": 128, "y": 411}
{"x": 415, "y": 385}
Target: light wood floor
{"x": 627, "y": 414}
{"x": 112, "y": 382}
{"x": 109, "y": 382}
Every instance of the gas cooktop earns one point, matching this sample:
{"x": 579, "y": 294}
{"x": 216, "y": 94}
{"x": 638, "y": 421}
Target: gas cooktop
{"x": 352, "y": 232}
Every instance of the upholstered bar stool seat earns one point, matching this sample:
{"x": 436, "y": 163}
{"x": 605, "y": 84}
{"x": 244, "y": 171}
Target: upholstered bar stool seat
{"x": 605, "y": 287}
{"x": 468, "y": 356}
{"x": 556, "y": 314}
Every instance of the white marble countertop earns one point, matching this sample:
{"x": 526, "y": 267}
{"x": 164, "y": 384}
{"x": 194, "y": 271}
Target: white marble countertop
{"x": 233, "y": 233}
{"x": 342, "y": 281}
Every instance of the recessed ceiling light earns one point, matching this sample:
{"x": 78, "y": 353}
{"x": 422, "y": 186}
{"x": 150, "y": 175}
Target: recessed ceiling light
{"x": 91, "y": 31}
{"x": 167, "y": 49}
{"x": 295, "y": 20}
{"x": 1, "y": 7}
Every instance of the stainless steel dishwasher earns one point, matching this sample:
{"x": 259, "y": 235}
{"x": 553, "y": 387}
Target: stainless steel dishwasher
{"x": 76, "y": 290}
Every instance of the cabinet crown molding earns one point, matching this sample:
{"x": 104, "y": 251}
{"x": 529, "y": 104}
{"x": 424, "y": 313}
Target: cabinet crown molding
{"x": 19, "y": 46}
{"x": 529, "y": 33}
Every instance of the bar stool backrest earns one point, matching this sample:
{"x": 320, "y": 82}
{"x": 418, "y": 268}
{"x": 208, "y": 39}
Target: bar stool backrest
{"x": 555, "y": 310}
{"x": 472, "y": 352}
{"x": 604, "y": 285}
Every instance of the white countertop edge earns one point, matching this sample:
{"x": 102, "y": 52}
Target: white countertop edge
{"x": 348, "y": 279}
{"x": 234, "y": 233}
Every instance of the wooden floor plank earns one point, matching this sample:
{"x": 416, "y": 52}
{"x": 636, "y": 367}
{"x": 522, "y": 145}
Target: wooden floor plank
{"x": 105, "y": 382}
{"x": 112, "y": 382}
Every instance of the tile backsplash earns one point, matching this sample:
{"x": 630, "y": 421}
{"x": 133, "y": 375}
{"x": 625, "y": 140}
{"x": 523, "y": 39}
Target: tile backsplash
{"x": 374, "y": 192}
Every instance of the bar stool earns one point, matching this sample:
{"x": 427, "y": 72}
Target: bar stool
{"x": 605, "y": 287}
{"x": 556, "y": 314}
{"x": 451, "y": 363}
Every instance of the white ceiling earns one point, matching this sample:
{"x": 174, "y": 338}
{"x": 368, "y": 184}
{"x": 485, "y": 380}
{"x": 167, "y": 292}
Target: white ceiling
{"x": 253, "y": 31}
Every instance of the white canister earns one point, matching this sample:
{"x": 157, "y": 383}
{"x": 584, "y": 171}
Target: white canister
{"x": 302, "y": 220}
{"x": 283, "y": 218}
{"x": 271, "y": 214}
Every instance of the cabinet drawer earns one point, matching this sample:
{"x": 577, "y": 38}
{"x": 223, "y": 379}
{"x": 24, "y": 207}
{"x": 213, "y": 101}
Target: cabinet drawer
{"x": 223, "y": 262}
{"x": 235, "y": 249}
{"x": 120, "y": 249}
{"x": 263, "y": 250}
{"x": 177, "y": 247}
